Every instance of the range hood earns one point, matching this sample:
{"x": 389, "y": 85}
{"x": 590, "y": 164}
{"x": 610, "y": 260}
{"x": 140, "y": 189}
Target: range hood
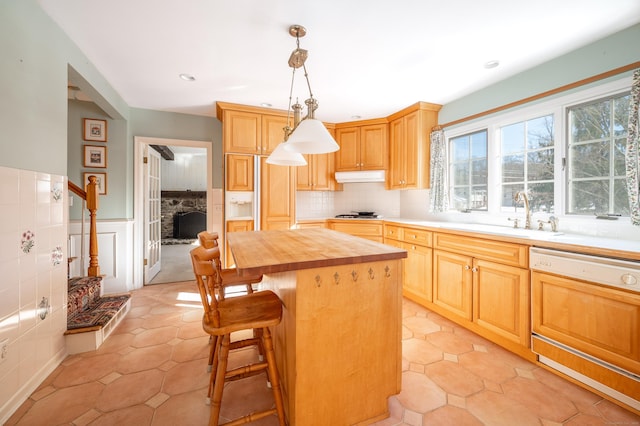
{"x": 362, "y": 176}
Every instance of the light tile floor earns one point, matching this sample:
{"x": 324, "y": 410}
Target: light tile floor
{"x": 152, "y": 371}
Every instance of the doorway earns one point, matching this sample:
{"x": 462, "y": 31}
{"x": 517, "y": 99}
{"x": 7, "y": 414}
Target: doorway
{"x": 173, "y": 263}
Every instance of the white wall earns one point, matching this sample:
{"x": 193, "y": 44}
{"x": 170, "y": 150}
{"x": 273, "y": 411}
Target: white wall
{"x": 186, "y": 172}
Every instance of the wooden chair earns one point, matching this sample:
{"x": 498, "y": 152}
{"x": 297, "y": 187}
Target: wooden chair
{"x": 259, "y": 310}
{"x": 230, "y": 277}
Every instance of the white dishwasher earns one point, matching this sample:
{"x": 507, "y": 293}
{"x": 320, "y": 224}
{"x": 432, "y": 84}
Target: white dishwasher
{"x": 586, "y": 319}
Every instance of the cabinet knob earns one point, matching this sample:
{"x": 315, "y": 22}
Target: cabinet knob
{"x": 474, "y": 269}
{"x": 467, "y": 267}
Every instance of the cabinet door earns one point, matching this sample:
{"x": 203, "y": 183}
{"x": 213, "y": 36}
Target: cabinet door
{"x": 272, "y": 133}
{"x": 452, "y": 282}
{"x": 396, "y": 154}
{"x": 373, "y": 147}
{"x": 242, "y": 132}
{"x": 411, "y": 150}
{"x": 304, "y": 180}
{"x": 501, "y": 300}
{"x": 277, "y": 199}
{"x": 322, "y": 172}
{"x": 236, "y": 226}
{"x": 600, "y": 321}
{"x": 348, "y": 156}
{"x": 239, "y": 172}
{"x": 418, "y": 273}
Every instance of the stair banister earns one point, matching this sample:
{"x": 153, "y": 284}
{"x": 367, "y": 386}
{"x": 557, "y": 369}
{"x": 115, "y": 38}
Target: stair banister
{"x": 91, "y": 198}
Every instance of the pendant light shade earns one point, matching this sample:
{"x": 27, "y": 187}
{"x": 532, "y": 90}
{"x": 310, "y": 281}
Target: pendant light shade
{"x": 281, "y": 157}
{"x": 311, "y": 137}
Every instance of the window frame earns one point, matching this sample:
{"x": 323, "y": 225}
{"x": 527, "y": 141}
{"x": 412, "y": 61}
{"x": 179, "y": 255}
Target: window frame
{"x": 555, "y": 105}
{"x": 567, "y": 134}
{"x": 469, "y": 161}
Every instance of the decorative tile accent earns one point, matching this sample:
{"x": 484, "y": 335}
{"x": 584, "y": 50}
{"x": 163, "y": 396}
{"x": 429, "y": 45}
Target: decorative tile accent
{"x": 28, "y": 241}
{"x": 57, "y": 256}
{"x": 56, "y": 192}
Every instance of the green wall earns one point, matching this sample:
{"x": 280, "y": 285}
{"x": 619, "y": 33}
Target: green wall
{"x": 617, "y": 50}
{"x": 36, "y": 55}
{"x": 162, "y": 124}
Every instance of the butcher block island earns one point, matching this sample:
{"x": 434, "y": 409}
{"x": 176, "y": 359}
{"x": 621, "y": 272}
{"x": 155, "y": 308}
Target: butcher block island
{"x": 338, "y": 346}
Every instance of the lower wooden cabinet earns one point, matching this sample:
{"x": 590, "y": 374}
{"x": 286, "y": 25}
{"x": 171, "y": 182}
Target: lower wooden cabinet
{"x": 501, "y": 300}
{"x": 452, "y": 283}
{"x": 235, "y": 226}
{"x": 370, "y": 229}
{"x": 491, "y": 295}
{"x": 417, "y": 278}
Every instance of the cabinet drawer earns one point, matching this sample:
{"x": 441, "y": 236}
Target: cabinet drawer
{"x": 497, "y": 251}
{"x": 393, "y": 232}
{"x": 418, "y": 236}
{"x": 359, "y": 228}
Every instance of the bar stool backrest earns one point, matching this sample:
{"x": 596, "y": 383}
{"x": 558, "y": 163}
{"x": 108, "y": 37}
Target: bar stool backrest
{"x": 208, "y": 280}
{"x": 208, "y": 239}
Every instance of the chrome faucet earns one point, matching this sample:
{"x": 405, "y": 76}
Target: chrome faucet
{"x": 521, "y": 196}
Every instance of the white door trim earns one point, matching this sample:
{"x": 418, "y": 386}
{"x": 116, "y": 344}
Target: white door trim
{"x": 138, "y": 196}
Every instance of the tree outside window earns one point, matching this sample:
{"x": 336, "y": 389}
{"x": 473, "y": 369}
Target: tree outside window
{"x": 468, "y": 171}
{"x": 527, "y": 152}
{"x": 597, "y": 141}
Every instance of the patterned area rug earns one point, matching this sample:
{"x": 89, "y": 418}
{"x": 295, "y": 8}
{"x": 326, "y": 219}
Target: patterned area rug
{"x": 83, "y": 292}
{"x": 97, "y": 314}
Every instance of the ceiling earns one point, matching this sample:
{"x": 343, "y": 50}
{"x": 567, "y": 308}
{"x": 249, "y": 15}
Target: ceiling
{"x": 366, "y": 59}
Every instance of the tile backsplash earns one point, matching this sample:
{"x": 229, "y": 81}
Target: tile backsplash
{"x": 33, "y": 288}
{"x": 354, "y": 197}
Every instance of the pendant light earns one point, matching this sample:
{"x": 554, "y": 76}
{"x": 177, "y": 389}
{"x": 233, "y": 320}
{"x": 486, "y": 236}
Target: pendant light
{"x": 309, "y": 135}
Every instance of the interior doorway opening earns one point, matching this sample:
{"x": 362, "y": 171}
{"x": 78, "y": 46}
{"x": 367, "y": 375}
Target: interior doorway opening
{"x": 185, "y": 185}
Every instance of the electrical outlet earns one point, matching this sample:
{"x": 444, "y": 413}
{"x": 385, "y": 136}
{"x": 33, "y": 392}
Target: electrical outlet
{"x": 4, "y": 349}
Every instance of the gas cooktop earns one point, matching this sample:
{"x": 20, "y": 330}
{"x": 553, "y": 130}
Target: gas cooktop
{"x": 358, "y": 215}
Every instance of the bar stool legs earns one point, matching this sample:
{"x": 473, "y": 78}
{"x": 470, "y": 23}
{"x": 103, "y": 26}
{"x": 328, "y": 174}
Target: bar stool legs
{"x": 221, "y": 375}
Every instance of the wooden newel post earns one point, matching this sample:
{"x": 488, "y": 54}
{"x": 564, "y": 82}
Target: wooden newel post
{"x": 92, "y": 206}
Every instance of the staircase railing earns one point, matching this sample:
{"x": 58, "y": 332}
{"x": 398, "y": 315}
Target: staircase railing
{"x": 90, "y": 198}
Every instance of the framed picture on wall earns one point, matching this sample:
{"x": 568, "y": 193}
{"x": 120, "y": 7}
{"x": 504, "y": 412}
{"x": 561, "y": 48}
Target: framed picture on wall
{"x": 101, "y": 180}
{"x": 95, "y": 156}
{"x": 95, "y": 130}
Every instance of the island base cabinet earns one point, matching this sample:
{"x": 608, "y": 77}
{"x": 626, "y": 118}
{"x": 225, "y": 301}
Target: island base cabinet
{"x": 353, "y": 312}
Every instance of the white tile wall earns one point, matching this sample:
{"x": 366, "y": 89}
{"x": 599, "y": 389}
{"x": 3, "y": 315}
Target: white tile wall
{"x": 354, "y": 197}
{"x": 35, "y": 203}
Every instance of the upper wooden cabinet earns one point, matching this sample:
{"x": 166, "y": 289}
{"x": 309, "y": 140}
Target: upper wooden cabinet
{"x": 363, "y": 145}
{"x": 247, "y": 130}
{"x": 409, "y": 146}
{"x": 317, "y": 175}
{"x": 239, "y": 172}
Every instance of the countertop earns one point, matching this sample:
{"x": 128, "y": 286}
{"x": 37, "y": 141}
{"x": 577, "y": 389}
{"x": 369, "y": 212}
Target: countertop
{"x": 613, "y": 247}
{"x": 264, "y": 252}
{"x": 627, "y": 249}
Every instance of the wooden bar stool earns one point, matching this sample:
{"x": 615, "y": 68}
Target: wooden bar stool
{"x": 259, "y": 310}
{"x": 230, "y": 278}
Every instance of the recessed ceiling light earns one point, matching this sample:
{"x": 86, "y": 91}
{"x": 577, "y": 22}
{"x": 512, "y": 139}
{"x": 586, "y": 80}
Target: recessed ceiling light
{"x": 266, "y": 105}
{"x": 491, "y": 64}
{"x": 187, "y": 77}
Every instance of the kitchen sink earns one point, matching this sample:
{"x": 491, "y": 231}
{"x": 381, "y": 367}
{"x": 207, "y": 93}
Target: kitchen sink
{"x": 503, "y": 230}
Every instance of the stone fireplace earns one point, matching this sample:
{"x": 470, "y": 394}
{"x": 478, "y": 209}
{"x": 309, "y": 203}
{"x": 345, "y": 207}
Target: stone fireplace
{"x": 174, "y": 204}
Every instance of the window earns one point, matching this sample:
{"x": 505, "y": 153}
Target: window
{"x": 527, "y": 153}
{"x": 597, "y": 140}
{"x": 468, "y": 171}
